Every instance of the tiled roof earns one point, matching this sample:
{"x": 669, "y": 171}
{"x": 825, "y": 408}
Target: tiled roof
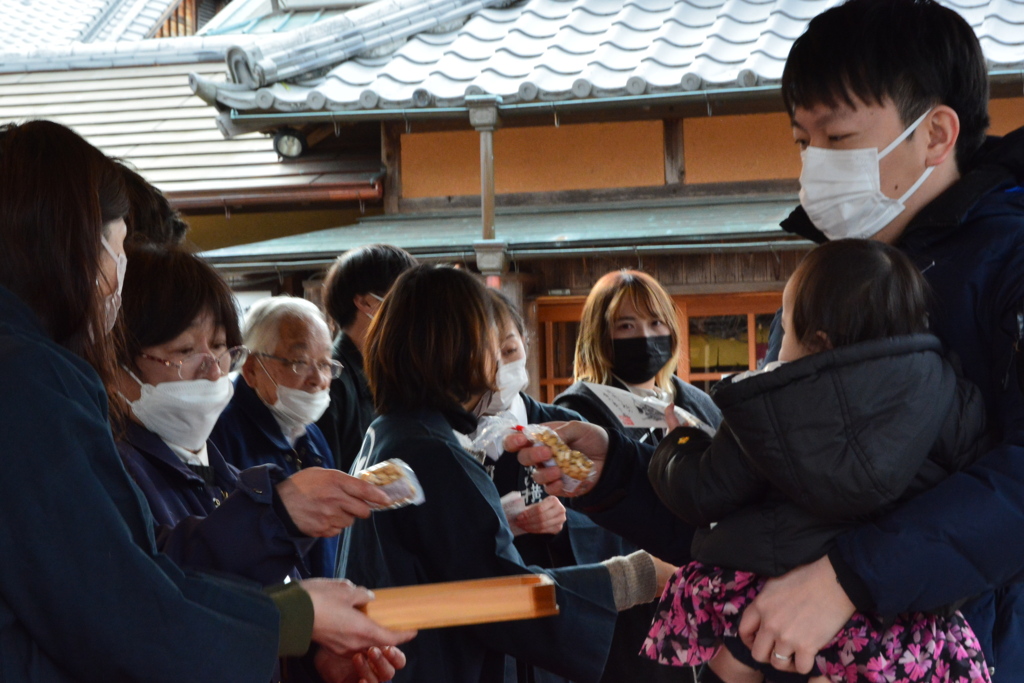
{"x": 548, "y": 50}
{"x": 50, "y": 23}
{"x": 148, "y": 116}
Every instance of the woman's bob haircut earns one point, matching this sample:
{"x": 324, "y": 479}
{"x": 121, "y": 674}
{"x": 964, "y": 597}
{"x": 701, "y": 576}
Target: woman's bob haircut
{"x": 166, "y": 289}
{"x": 594, "y": 355}
{"x": 432, "y": 344}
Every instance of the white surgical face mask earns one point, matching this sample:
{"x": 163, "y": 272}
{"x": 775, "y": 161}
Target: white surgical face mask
{"x": 112, "y": 303}
{"x": 183, "y": 412}
{"x": 297, "y": 408}
{"x": 512, "y": 378}
{"x": 841, "y": 189}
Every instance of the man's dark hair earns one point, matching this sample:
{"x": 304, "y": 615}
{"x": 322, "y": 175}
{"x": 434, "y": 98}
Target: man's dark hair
{"x": 857, "y": 290}
{"x": 151, "y": 219}
{"x": 916, "y": 53}
{"x": 367, "y": 270}
{"x": 432, "y": 344}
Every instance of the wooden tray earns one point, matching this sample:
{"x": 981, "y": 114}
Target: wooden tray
{"x": 459, "y": 603}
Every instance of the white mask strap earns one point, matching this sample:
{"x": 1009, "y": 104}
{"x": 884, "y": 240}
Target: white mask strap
{"x": 913, "y": 188}
{"x": 132, "y": 375}
{"x": 904, "y": 135}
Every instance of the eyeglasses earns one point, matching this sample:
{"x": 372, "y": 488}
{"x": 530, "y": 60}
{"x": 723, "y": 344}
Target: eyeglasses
{"x": 198, "y": 365}
{"x": 303, "y": 368}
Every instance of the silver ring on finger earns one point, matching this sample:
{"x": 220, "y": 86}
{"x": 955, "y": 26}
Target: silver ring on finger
{"x": 782, "y": 658}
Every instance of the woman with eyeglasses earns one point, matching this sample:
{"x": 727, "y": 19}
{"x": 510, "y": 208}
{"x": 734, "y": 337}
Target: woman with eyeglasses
{"x": 181, "y": 341}
{"x": 85, "y": 593}
{"x": 282, "y": 390}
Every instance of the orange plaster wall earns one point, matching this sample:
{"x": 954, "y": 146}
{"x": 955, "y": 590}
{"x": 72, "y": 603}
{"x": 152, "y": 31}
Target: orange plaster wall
{"x": 737, "y": 148}
{"x": 544, "y": 159}
{"x": 1007, "y": 115}
{"x": 440, "y": 164}
{"x": 604, "y": 155}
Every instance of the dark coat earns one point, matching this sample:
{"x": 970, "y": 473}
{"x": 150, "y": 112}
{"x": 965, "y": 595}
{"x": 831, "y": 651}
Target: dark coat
{"x": 508, "y": 475}
{"x": 351, "y": 410}
{"x": 460, "y": 533}
{"x": 247, "y": 435}
{"x": 623, "y": 500}
{"x": 581, "y": 541}
{"x": 580, "y": 398}
{"x": 84, "y": 593}
{"x": 951, "y": 542}
{"x": 817, "y": 445}
{"x": 624, "y": 663}
{"x": 230, "y": 524}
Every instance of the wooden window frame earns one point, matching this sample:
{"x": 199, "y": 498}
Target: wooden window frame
{"x": 552, "y": 310}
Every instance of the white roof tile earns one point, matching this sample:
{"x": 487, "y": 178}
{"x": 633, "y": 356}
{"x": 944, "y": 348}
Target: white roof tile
{"x": 545, "y": 50}
{"x": 31, "y": 24}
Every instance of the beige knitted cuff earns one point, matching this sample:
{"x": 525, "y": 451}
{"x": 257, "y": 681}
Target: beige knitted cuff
{"x": 634, "y": 579}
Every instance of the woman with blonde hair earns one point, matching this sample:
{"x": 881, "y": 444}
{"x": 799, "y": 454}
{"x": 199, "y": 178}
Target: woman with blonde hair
{"x": 629, "y": 339}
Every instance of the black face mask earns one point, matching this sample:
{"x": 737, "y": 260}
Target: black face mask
{"x": 638, "y": 359}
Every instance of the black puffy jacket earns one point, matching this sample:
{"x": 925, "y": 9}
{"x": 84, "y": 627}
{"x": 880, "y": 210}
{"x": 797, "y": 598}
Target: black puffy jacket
{"x": 816, "y": 446}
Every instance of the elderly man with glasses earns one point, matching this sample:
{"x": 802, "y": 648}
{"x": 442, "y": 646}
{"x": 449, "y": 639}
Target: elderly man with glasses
{"x": 281, "y": 392}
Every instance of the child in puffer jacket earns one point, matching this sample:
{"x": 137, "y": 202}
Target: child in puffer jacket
{"x": 862, "y": 413}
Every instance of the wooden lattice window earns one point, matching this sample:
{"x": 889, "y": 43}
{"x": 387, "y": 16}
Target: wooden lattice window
{"x": 186, "y": 17}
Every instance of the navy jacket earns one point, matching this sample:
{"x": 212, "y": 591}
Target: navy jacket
{"x": 247, "y": 435}
{"x": 623, "y": 500}
{"x": 688, "y": 397}
{"x": 460, "y": 533}
{"x": 351, "y": 410}
{"x": 230, "y": 524}
{"x": 809, "y": 450}
{"x": 84, "y": 593}
{"x": 962, "y": 538}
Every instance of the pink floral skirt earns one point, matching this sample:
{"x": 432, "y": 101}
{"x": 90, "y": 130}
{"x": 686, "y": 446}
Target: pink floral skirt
{"x": 702, "y": 604}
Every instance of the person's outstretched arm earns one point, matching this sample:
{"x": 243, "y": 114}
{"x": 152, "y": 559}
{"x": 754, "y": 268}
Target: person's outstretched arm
{"x": 622, "y": 499}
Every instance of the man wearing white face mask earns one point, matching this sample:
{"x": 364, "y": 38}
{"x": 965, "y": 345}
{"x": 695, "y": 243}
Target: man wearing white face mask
{"x": 281, "y": 392}
{"x": 889, "y": 101}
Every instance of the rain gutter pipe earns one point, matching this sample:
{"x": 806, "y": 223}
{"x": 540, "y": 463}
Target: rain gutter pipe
{"x": 468, "y": 255}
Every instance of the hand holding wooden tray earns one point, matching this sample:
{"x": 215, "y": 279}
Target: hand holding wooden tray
{"x": 460, "y": 603}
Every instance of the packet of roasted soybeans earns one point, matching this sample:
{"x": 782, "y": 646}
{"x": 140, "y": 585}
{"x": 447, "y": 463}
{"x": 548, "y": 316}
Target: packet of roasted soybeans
{"x": 491, "y": 431}
{"x": 397, "y": 480}
{"x": 576, "y": 468}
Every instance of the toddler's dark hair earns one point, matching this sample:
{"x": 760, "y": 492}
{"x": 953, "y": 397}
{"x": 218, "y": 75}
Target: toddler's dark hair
{"x": 856, "y": 290}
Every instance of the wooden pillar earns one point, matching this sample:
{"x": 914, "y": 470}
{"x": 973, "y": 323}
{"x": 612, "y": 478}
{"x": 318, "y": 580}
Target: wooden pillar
{"x": 483, "y": 116}
{"x": 675, "y": 165}
{"x": 487, "y": 182}
{"x": 391, "y": 157}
